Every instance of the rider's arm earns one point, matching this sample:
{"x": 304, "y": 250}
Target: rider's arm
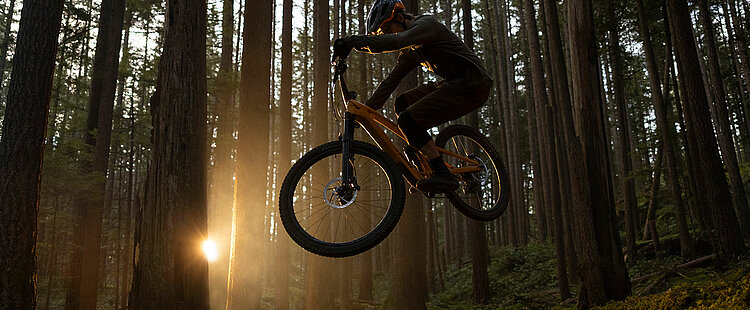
{"x": 421, "y": 32}
{"x": 407, "y": 61}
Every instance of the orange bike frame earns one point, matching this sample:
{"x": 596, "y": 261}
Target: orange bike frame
{"x": 371, "y": 121}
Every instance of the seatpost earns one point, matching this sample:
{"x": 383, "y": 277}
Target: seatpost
{"x": 347, "y": 169}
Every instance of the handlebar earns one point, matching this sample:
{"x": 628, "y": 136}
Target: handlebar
{"x": 340, "y": 67}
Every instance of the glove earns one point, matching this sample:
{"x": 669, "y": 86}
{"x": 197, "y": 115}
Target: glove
{"x": 342, "y": 47}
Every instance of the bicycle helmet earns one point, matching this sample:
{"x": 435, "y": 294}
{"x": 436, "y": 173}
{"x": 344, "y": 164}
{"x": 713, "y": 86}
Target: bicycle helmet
{"x": 382, "y": 11}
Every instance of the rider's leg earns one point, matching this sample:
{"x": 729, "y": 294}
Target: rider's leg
{"x": 413, "y": 95}
{"x": 430, "y": 150}
{"x": 442, "y": 180}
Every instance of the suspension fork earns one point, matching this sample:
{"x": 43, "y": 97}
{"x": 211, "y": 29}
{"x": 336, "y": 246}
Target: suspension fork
{"x": 347, "y": 170}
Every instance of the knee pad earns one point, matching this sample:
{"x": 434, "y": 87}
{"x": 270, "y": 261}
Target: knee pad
{"x": 415, "y": 134}
{"x": 401, "y": 104}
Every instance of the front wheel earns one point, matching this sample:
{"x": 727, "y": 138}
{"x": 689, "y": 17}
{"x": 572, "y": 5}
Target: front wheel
{"x": 329, "y": 218}
{"x": 484, "y": 189}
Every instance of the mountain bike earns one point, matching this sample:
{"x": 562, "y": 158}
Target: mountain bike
{"x": 344, "y": 197}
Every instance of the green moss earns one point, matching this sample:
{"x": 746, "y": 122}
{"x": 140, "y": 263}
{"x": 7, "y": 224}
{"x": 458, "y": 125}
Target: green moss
{"x": 727, "y": 293}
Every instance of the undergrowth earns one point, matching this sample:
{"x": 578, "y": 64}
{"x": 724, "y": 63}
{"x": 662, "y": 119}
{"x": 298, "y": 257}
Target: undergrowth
{"x": 520, "y": 278}
{"x": 526, "y": 278}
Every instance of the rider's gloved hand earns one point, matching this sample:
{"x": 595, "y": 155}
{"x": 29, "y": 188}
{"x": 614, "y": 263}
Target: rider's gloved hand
{"x": 342, "y": 47}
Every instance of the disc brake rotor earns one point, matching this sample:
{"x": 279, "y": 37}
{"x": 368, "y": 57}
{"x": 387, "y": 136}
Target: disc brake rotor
{"x": 339, "y": 196}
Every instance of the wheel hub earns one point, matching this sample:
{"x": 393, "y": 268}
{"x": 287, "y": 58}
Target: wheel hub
{"x": 473, "y": 181}
{"x": 339, "y": 195}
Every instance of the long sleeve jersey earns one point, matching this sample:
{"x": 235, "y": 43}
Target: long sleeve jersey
{"x": 427, "y": 42}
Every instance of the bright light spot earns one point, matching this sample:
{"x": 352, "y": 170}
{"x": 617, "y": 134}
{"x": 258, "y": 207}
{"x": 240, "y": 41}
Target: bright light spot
{"x": 209, "y": 249}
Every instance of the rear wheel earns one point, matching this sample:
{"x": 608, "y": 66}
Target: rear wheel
{"x": 333, "y": 219}
{"x": 485, "y": 192}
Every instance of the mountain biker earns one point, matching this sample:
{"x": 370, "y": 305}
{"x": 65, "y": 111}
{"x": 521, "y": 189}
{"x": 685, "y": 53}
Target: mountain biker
{"x": 422, "y": 40}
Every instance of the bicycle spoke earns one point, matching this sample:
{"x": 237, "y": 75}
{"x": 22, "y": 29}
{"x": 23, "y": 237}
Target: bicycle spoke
{"x": 355, "y": 220}
{"x": 313, "y": 207}
{"x": 373, "y": 206}
{"x": 319, "y": 220}
{"x": 364, "y": 215}
{"x": 336, "y": 229}
{"x": 373, "y": 213}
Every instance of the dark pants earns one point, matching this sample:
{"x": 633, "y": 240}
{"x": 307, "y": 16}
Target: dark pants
{"x": 436, "y": 103}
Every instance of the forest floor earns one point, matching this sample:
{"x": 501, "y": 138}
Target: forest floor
{"x": 526, "y": 278}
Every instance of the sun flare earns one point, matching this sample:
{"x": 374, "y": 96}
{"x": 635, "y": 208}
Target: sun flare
{"x": 209, "y": 249}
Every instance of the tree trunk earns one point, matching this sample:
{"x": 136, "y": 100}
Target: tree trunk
{"x": 721, "y": 122}
{"x": 565, "y": 128}
{"x": 22, "y": 149}
{"x": 246, "y": 264}
{"x": 725, "y": 234}
{"x": 315, "y": 292}
{"x": 435, "y": 272}
{"x": 546, "y": 141}
{"x": 542, "y": 210}
{"x": 689, "y": 143}
{"x": 121, "y": 243}
{"x": 744, "y": 105}
{"x": 409, "y": 289}
{"x": 168, "y": 271}
{"x": 132, "y": 180}
{"x": 625, "y": 163}
{"x": 283, "y": 261}
{"x": 650, "y": 226}
{"x": 742, "y": 43}
{"x": 603, "y": 272}
{"x": 503, "y": 90}
{"x": 664, "y": 127}
{"x": 551, "y": 95}
{"x": 476, "y": 230}
{"x": 83, "y": 285}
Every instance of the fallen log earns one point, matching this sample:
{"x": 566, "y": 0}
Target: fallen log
{"x": 369, "y": 302}
{"x": 689, "y": 264}
{"x": 653, "y": 283}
